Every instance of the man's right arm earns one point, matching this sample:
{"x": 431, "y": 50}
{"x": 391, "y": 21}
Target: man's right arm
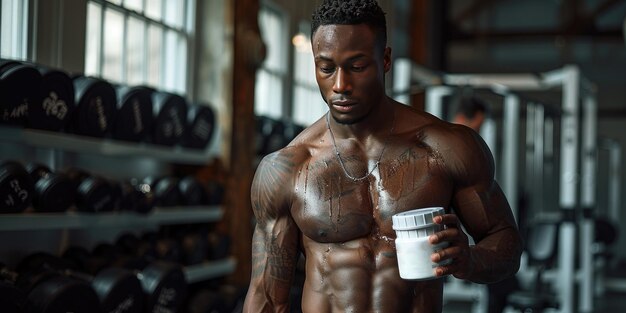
{"x": 276, "y": 236}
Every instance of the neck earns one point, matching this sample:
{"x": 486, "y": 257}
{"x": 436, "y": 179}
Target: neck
{"x": 376, "y": 123}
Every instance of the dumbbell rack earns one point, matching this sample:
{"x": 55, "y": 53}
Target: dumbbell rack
{"x": 113, "y": 148}
{"x": 60, "y": 142}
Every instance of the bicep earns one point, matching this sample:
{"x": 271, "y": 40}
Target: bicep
{"x": 275, "y": 239}
{"x": 478, "y": 199}
{"x": 483, "y": 209}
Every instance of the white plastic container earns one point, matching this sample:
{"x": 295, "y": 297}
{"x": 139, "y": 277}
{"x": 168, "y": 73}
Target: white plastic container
{"x": 412, "y": 246}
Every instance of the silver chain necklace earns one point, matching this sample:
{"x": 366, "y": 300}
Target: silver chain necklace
{"x": 343, "y": 166}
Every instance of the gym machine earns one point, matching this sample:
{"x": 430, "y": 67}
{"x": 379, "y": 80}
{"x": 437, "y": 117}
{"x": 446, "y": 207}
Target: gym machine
{"x": 577, "y": 94}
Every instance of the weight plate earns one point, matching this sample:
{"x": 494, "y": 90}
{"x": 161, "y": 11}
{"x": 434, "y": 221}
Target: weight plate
{"x": 60, "y": 294}
{"x": 171, "y": 118}
{"x": 95, "y": 194}
{"x": 134, "y": 116}
{"x": 56, "y": 101}
{"x": 16, "y": 187}
{"x": 200, "y": 126}
{"x": 165, "y": 189}
{"x": 53, "y": 192}
{"x": 164, "y": 285}
{"x": 19, "y": 90}
{"x": 119, "y": 290}
{"x": 95, "y": 107}
{"x": 192, "y": 191}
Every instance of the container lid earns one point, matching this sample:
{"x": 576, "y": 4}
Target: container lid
{"x": 416, "y": 219}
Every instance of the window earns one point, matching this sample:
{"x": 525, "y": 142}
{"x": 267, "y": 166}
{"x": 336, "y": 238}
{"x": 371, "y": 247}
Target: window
{"x": 308, "y": 105}
{"x": 140, "y": 42}
{"x": 270, "y": 78}
{"x": 14, "y": 29}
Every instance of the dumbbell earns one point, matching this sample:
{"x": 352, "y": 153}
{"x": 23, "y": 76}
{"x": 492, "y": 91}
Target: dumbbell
{"x": 216, "y": 192}
{"x": 291, "y": 131}
{"x": 19, "y": 89}
{"x": 47, "y": 291}
{"x": 52, "y": 192}
{"x": 95, "y": 107}
{"x": 200, "y": 126}
{"x": 12, "y": 299}
{"x": 56, "y": 100}
{"x": 165, "y": 189}
{"x": 219, "y": 245}
{"x": 117, "y": 289}
{"x": 192, "y": 191}
{"x": 269, "y": 136}
{"x": 160, "y": 246}
{"x": 194, "y": 243}
{"x": 134, "y": 113}
{"x": 16, "y": 187}
{"x": 93, "y": 194}
{"x": 170, "y": 111}
{"x": 163, "y": 283}
{"x": 133, "y": 196}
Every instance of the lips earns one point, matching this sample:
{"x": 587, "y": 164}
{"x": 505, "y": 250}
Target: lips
{"x": 343, "y": 106}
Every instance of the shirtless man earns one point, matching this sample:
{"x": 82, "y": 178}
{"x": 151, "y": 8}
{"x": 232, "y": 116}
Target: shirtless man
{"x": 331, "y": 193}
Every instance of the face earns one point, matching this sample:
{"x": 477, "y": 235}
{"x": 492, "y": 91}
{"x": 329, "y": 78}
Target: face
{"x": 350, "y": 69}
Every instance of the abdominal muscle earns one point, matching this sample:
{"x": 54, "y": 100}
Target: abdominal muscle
{"x": 361, "y": 276}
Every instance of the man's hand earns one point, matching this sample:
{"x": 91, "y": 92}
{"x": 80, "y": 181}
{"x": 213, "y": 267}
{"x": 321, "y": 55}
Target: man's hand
{"x": 458, "y": 250}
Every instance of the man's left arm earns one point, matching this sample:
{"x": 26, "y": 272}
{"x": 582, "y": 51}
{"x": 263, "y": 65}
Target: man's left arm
{"x": 482, "y": 208}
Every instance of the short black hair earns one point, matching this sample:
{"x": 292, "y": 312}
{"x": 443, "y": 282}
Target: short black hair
{"x": 469, "y": 106}
{"x": 351, "y": 12}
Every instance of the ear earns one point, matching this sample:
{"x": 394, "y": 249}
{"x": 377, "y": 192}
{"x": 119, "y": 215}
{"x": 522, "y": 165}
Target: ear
{"x": 387, "y": 59}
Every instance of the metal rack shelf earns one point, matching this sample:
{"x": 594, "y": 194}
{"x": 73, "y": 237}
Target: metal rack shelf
{"x": 208, "y": 270}
{"x": 101, "y": 146}
{"x": 75, "y": 220}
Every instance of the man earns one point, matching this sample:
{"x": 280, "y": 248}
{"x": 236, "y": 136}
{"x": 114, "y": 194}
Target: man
{"x": 331, "y": 193}
{"x": 472, "y": 113}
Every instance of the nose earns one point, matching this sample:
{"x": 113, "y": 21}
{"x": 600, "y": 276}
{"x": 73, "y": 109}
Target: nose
{"x": 342, "y": 83}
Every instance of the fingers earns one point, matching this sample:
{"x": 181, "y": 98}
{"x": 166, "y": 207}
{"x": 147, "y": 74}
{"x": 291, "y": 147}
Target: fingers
{"x": 453, "y": 259}
{"x": 450, "y": 235}
{"x": 450, "y": 220}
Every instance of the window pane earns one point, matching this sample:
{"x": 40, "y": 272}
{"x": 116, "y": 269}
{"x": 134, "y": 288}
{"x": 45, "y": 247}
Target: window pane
{"x": 181, "y": 85}
{"x": 13, "y": 25}
{"x": 113, "y": 39}
{"x": 308, "y": 106}
{"x": 153, "y": 9}
{"x": 92, "y": 49}
{"x": 268, "y": 95}
{"x": 176, "y": 59}
{"x": 304, "y": 67}
{"x": 135, "y": 45}
{"x": 174, "y": 10}
{"x": 272, "y": 27}
{"x": 136, "y": 5}
{"x": 155, "y": 38}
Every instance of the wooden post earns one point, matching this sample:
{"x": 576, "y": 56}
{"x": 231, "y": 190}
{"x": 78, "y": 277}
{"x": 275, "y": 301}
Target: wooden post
{"x": 249, "y": 52}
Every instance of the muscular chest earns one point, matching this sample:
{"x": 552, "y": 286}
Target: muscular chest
{"x": 330, "y": 207}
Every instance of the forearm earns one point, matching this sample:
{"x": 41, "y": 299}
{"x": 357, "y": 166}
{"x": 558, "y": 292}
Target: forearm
{"x": 273, "y": 268}
{"x": 258, "y": 301}
{"x": 495, "y": 257}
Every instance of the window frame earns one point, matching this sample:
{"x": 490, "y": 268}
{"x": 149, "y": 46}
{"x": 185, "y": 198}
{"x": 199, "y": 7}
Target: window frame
{"x": 185, "y": 32}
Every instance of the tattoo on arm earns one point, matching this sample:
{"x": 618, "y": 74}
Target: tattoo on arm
{"x": 274, "y": 246}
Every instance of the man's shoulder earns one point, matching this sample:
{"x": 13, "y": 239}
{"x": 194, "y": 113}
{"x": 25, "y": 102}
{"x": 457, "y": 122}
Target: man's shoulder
{"x": 425, "y": 126}
{"x": 299, "y": 150}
